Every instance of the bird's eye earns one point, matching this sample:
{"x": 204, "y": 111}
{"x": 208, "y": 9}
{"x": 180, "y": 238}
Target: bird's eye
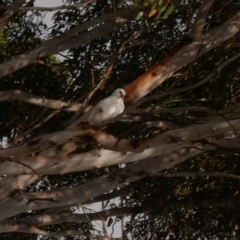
{"x": 121, "y": 94}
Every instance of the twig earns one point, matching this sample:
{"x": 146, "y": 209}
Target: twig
{"x": 186, "y": 174}
{"x": 15, "y": 142}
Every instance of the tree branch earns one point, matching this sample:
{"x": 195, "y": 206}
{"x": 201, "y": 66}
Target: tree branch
{"x": 36, "y": 100}
{"x": 169, "y": 65}
{"x": 200, "y": 20}
{"x": 200, "y": 174}
{"x": 106, "y": 183}
{"x": 62, "y": 43}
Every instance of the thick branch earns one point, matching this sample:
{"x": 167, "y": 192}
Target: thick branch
{"x": 200, "y": 20}
{"x": 11, "y": 185}
{"x": 39, "y": 101}
{"x": 47, "y": 219}
{"x": 62, "y": 43}
{"x": 194, "y": 132}
{"x": 10, "y": 14}
{"x": 94, "y": 188}
{"x": 46, "y": 165}
{"x": 166, "y": 68}
{"x": 170, "y": 140}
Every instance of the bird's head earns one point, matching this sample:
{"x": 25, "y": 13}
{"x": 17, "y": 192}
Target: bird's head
{"x": 119, "y": 92}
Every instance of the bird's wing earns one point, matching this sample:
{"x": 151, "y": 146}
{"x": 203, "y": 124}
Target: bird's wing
{"x": 95, "y": 115}
{"x": 118, "y": 107}
{"x": 98, "y": 112}
{"x": 106, "y": 109}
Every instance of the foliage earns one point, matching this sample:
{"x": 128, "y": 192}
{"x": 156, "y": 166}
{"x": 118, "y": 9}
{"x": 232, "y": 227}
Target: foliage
{"x": 161, "y": 207}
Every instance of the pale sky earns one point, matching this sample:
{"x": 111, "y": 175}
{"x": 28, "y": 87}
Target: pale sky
{"x": 48, "y": 3}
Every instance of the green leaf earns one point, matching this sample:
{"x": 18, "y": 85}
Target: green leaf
{"x": 169, "y": 11}
{"x": 163, "y": 9}
{"x": 140, "y": 14}
{"x": 121, "y": 3}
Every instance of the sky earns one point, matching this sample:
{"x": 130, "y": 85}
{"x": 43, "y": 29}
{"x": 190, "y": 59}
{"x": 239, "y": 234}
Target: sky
{"x": 48, "y": 3}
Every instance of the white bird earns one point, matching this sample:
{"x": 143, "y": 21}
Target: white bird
{"x": 108, "y": 108}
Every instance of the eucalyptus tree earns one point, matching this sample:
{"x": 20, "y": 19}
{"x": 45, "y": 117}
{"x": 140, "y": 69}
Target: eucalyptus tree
{"x": 167, "y": 167}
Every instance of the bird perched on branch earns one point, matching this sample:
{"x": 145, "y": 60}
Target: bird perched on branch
{"x": 108, "y": 108}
